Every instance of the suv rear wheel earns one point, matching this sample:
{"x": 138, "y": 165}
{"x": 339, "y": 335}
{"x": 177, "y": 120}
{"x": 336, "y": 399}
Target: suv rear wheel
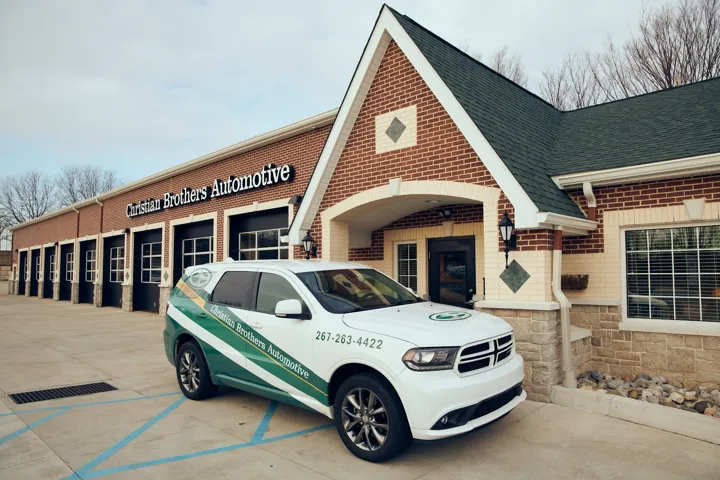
{"x": 192, "y": 372}
{"x": 370, "y": 418}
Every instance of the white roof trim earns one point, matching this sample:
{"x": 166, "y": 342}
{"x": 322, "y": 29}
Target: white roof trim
{"x": 703, "y": 164}
{"x": 264, "y": 139}
{"x": 387, "y": 28}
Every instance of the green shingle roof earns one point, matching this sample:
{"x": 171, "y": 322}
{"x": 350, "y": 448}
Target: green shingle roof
{"x": 535, "y": 140}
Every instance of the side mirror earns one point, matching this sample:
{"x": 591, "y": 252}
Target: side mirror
{"x": 291, "y": 308}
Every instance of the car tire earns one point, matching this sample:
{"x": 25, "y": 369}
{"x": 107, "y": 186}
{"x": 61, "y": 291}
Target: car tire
{"x": 195, "y": 381}
{"x": 359, "y": 429}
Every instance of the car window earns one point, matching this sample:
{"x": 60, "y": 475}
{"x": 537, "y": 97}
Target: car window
{"x": 272, "y": 289}
{"x": 234, "y": 289}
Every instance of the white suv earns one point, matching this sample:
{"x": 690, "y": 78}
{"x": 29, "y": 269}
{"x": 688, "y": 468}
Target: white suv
{"x": 347, "y": 341}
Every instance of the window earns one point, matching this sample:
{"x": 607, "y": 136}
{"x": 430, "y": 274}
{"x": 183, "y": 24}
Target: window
{"x": 52, "y": 268}
{"x": 37, "y": 268}
{"x": 197, "y": 251}
{"x": 69, "y": 266}
{"x": 673, "y": 273}
{"x": 264, "y": 245}
{"x": 234, "y": 289}
{"x": 407, "y": 265}
{"x": 90, "y": 262}
{"x": 151, "y": 262}
{"x": 117, "y": 264}
{"x": 272, "y": 289}
{"x": 355, "y": 290}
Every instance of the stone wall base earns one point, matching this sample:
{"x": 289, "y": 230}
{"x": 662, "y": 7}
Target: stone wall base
{"x": 11, "y": 287}
{"x": 127, "y": 298}
{"x": 164, "y": 298}
{"x": 537, "y": 337}
{"x": 582, "y": 355}
{"x": 75, "y": 293}
{"x": 27, "y": 288}
{"x": 56, "y": 290}
{"x": 97, "y": 295}
{"x": 41, "y": 289}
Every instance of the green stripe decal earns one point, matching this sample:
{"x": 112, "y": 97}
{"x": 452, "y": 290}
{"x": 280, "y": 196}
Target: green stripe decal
{"x": 228, "y": 327}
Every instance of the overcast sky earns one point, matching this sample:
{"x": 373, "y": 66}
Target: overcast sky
{"x": 139, "y": 86}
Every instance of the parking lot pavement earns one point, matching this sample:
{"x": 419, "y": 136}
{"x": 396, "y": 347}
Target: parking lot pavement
{"x": 146, "y": 429}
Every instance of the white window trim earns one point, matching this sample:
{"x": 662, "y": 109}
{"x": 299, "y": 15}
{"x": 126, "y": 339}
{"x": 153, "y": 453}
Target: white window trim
{"x": 194, "y": 253}
{"x": 119, "y": 271}
{"x": 93, "y": 263}
{"x": 38, "y": 269}
{"x": 253, "y": 207}
{"x": 396, "y": 259}
{"x": 265, "y": 249}
{"x": 649, "y": 324}
{"x": 151, "y": 256}
{"x": 70, "y": 271}
{"x": 51, "y": 265}
{"x": 130, "y": 251}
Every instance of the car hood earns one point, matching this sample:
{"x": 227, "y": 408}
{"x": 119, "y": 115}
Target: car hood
{"x": 428, "y": 324}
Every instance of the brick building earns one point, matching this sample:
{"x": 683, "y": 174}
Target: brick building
{"x": 615, "y": 262}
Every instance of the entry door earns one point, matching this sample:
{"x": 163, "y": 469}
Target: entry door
{"x": 113, "y": 270}
{"x": 34, "y": 272}
{"x": 147, "y": 270}
{"x": 452, "y": 270}
{"x": 22, "y": 268}
{"x": 88, "y": 270}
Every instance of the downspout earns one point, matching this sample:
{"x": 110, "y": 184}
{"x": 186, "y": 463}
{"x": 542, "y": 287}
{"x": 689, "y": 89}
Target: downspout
{"x": 569, "y": 380}
{"x": 591, "y": 201}
{"x": 77, "y": 222}
{"x": 101, "y": 213}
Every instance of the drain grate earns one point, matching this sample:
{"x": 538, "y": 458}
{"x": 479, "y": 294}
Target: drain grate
{"x": 61, "y": 392}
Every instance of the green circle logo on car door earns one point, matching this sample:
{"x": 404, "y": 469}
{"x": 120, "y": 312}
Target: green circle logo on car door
{"x": 449, "y": 316}
{"x": 200, "y": 278}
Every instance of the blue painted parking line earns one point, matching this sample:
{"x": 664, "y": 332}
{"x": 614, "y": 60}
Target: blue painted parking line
{"x": 256, "y": 439}
{"x": 91, "y": 404}
{"x": 32, "y": 425}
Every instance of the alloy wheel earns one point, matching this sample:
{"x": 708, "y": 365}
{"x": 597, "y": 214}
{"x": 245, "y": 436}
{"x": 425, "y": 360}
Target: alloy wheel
{"x": 365, "y": 419}
{"x": 189, "y": 371}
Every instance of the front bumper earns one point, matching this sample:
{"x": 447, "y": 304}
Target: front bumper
{"x": 428, "y": 396}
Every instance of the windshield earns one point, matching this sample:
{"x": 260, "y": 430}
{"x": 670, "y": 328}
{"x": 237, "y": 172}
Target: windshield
{"x": 355, "y": 290}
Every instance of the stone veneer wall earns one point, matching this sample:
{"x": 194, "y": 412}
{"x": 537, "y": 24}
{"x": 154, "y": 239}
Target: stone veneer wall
{"x": 97, "y": 295}
{"x": 537, "y": 338}
{"x": 41, "y": 289}
{"x": 127, "y": 298}
{"x": 164, "y": 298}
{"x": 5, "y": 271}
{"x": 685, "y": 358}
{"x": 56, "y": 291}
{"x": 582, "y": 355}
{"x": 74, "y": 292}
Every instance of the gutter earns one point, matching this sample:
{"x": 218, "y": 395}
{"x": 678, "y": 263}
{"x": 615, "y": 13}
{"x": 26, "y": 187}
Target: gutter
{"x": 262, "y": 140}
{"x": 569, "y": 380}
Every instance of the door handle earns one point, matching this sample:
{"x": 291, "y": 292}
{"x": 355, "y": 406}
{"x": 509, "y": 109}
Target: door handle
{"x": 256, "y": 325}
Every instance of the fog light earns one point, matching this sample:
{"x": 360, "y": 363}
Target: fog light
{"x": 444, "y": 420}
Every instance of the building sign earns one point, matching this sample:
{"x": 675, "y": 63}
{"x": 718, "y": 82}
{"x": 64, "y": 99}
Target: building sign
{"x": 269, "y": 175}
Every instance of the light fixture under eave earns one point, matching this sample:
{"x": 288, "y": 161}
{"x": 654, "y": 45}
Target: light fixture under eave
{"x": 432, "y": 201}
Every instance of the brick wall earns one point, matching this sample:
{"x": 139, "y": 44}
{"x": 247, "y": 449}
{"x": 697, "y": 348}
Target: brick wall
{"x": 686, "y": 358}
{"x": 300, "y": 151}
{"x": 441, "y": 152}
{"x": 639, "y": 195}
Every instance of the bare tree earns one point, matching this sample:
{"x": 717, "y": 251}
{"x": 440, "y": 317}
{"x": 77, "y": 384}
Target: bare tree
{"x": 510, "y": 65}
{"x": 674, "y": 46}
{"x": 26, "y": 196}
{"x": 79, "y": 182}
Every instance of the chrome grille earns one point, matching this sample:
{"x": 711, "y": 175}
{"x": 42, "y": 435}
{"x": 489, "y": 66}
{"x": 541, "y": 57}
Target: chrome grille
{"x": 486, "y": 354}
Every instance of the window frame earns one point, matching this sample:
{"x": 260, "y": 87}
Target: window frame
{"x": 90, "y": 265}
{"x": 255, "y": 250}
{"x": 194, "y": 254}
{"x": 51, "y": 274}
{"x": 396, "y": 263}
{"x": 69, "y": 266}
{"x": 119, "y": 272}
{"x": 648, "y": 324}
{"x": 151, "y": 269}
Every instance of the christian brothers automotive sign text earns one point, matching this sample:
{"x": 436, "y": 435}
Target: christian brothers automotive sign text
{"x": 269, "y": 175}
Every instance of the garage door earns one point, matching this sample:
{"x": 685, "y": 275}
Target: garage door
{"x": 22, "y": 273}
{"x": 256, "y": 236}
{"x": 88, "y": 270}
{"x": 147, "y": 270}
{"x": 34, "y": 272}
{"x": 113, "y": 270}
{"x": 193, "y": 244}
{"x": 67, "y": 266}
{"x": 49, "y": 272}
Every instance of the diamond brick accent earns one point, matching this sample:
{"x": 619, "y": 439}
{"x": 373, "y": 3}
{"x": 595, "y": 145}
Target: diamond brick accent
{"x": 395, "y": 130}
{"x": 514, "y": 276}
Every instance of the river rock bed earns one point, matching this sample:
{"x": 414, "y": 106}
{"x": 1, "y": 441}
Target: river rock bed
{"x": 659, "y": 390}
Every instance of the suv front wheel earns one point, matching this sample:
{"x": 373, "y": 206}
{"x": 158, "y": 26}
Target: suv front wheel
{"x": 370, "y": 418}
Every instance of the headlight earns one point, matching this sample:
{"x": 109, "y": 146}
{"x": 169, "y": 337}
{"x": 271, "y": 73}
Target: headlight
{"x": 441, "y": 358}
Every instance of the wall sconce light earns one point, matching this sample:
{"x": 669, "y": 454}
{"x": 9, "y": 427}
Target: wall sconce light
{"x": 445, "y": 214}
{"x": 309, "y": 246}
{"x": 126, "y": 230}
{"x": 507, "y": 232}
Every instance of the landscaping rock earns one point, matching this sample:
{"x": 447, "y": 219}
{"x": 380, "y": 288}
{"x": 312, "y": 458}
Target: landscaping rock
{"x": 595, "y": 375}
{"x": 644, "y": 376}
{"x": 653, "y": 399}
{"x": 627, "y": 377}
{"x": 602, "y": 384}
{"x": 642, "y": 383}
{"x": 669, "y": 403}
{"x": 677, "y": 398}
{"x": 660, "y": 380}
{"x": 700, "y": 407}
{"x": 691, "y": 396}
{"x": 613, "y": 384}
{"x": 676, "y": 384}
{"x": 633, "y": 394}
{"x": 667, "y": 388}
{"x": 622, "y": 390}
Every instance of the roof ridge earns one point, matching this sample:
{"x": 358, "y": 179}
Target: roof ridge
{"x": 481, "y": 64}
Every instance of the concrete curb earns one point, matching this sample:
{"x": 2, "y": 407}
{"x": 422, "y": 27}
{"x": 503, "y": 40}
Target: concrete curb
{"x": 671, "y": 420}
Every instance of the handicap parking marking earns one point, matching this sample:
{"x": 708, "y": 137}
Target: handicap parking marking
{"x": 256, "y": 439}
{"x": 32, "y": 425}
